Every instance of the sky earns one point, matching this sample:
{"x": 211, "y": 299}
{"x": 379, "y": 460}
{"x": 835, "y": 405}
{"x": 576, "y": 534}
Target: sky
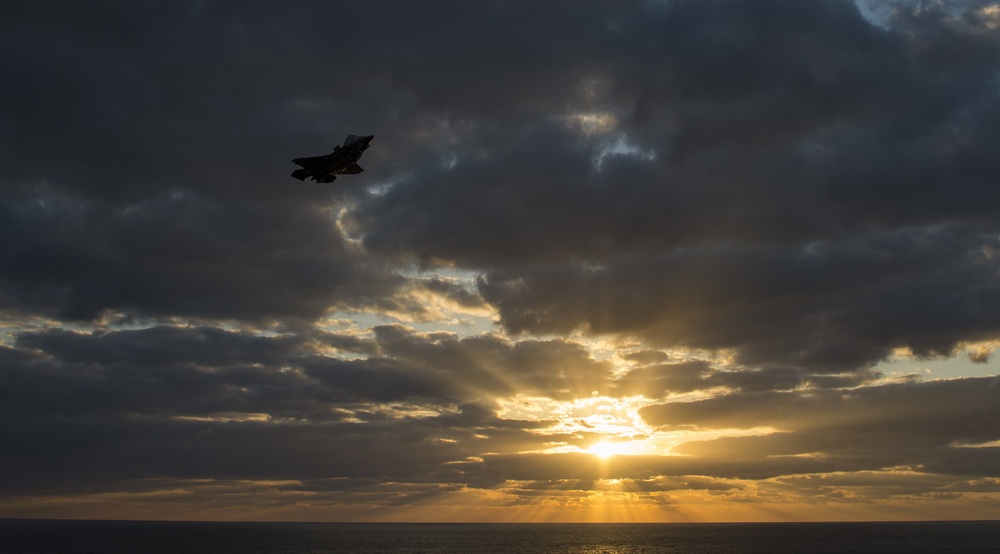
{"x": 675, "y": 260}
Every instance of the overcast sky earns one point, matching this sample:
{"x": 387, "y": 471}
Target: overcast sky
{"x": 643, "y": 260}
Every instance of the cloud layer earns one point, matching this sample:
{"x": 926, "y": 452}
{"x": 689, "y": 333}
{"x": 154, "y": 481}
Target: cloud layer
{"x": 696, "y": 229}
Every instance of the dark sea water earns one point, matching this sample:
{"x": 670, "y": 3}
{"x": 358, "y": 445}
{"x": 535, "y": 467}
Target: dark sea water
{"x": 120, "y": 537}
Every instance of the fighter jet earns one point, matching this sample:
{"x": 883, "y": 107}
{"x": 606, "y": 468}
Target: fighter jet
{"x": 343, "y": 159}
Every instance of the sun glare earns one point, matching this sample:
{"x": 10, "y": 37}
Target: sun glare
{"x": 606, "y": 449}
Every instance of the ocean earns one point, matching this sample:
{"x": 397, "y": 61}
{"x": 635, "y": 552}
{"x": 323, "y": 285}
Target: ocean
{"x": 124, "y": 537}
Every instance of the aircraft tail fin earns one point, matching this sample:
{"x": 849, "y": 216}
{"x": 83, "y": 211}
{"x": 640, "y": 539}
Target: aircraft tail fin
{"x": 300, "y": 174}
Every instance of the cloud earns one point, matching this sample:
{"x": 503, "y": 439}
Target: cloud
{"x": 588, "y": 468}
{"x": 963, "y": 401}
{"x": 745, "y": 205}
{"x": 167, "y": 401}
{"x": 833, "y": 146}
{"x": 205, "y": 370}
{"x": 941, "y": 426}
{"x": 661, "y": 380}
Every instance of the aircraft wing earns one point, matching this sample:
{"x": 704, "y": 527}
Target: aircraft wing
{"x": 353, "y": 169}
{"x": 306, "y": 162}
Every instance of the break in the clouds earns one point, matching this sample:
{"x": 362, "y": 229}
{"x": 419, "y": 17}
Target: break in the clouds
{"x": 663, "y": 256}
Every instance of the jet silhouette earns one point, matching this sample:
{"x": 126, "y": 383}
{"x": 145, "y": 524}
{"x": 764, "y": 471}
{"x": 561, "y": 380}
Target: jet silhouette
{"x": 343, "y": 160}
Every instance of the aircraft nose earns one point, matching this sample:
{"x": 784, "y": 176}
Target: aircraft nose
{"x": 369, "y": 138}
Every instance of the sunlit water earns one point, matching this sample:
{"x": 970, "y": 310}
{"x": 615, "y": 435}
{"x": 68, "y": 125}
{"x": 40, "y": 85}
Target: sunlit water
{"x": 100, "y": 537}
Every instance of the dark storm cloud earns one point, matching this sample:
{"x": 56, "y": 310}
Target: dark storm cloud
{"x": 89, "y": 411}
{"x": 179, "y": 253}
{"x": 82, "y": 453}
{"x": 170, "y": 371}
{"x": 793, "y": 182}
{"x": 493, "y": 366}
{"x": 165, "y": 346}
{"x": 883, "y": 484}
{"x": 823, "y": 306}
{"x": 782, "y": 181}
{"x": 146, "y": 161}
{"x": 84, "y": 445}
{"x": 658, "y": 381}
{"x": 940, "y": 426}
{"x": 954, "y": 406}
{"x": 777, "y": 159}
{"x": 762, "y": 160}
{"x": 167, "y": 401}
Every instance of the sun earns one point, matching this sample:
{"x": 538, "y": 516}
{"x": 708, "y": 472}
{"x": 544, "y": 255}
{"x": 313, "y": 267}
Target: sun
{"x": 606, "y": 449}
